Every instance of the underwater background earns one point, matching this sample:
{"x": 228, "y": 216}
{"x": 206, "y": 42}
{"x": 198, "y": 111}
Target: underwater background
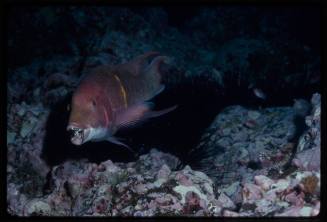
{"x": 243, "y": 141}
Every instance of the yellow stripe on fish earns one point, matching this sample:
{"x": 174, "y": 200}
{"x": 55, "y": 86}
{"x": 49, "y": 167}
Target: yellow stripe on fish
{"x": 122, "y": 90}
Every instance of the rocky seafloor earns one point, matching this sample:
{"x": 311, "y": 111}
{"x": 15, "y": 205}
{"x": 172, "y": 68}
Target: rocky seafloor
{"x": 253, "y": 176}
{"x": 249, "y": 161}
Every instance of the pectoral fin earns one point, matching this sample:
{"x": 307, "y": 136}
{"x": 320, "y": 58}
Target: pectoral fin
{"x": 137, "y": 114}
{"x": 132, "y": 114}
{"x": 157, "y": 113}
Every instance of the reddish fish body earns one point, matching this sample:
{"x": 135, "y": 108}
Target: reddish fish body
{"x": 113, "y": 97}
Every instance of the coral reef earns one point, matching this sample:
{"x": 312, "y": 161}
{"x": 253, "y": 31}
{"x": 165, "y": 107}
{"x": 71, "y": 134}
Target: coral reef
{"x": 153, "y": 185}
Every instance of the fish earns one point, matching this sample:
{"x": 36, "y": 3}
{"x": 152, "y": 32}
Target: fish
{"x": 115, "y": 97}
{"x": 259, "y": 93}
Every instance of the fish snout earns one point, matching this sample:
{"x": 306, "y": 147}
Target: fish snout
{"x": 77, "y": 134}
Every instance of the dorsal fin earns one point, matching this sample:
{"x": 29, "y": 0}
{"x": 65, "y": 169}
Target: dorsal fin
{"x": 153, "y": 69}
{"x": 138, "y": 64}
{"x": 155, "y": 64}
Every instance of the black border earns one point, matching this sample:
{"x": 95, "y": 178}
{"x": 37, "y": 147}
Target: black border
{"x": 181, "y": 3}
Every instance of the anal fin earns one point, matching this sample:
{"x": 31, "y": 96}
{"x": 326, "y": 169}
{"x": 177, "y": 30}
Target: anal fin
{"x": 116, "y": 141}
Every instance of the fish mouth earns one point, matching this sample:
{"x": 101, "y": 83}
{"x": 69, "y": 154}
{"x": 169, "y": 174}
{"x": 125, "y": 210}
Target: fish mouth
{"x": 77, "y": 134}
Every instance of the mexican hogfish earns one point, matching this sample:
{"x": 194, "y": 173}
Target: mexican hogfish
{"x": 114, "y": 97}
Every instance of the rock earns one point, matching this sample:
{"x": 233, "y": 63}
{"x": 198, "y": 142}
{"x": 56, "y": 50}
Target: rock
{"x": 308, "y": 149}
{"x": 280, "y": 185}
{"x": 140, "y": 189}
{"x": 228, "y": 213}
{"x": 225, "y": 202}
{"x": 192, "y": 202}
{"x": 301, "y": 107}
{"x": 316, "y": 99}
{"x": 159, "y": 182}
{"x": 297, "y": 212}
{"x": 257, "y": 148}
{"x": 241, "y": 136}
{"x": 27, "y": 127}
{"x": 22, "y": 110}
{"x": 183, "y": 180}
{"x": 253, "y": 115}
{"x": 226, "y": 131}
{"x": 250, "y": 124}
{"x": 164, "y": 172}
{"x": 308, "y": 159}
{"x": 16, "y": 200}
{"x": 265, "y": 207}
{"x": 10, "y": 137}
{"x": 38, "y": 208}
{"x": 230, "y": 190}
{"x": 295, "y": 199}
{"x": 251, "y": 192}
{"x": 316, "y": 210}
{"x": 263, "y": 181}
{"x": 109, "y": 188}
{"x": 183, "y": 190}
{"x": 306, "y": 211}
